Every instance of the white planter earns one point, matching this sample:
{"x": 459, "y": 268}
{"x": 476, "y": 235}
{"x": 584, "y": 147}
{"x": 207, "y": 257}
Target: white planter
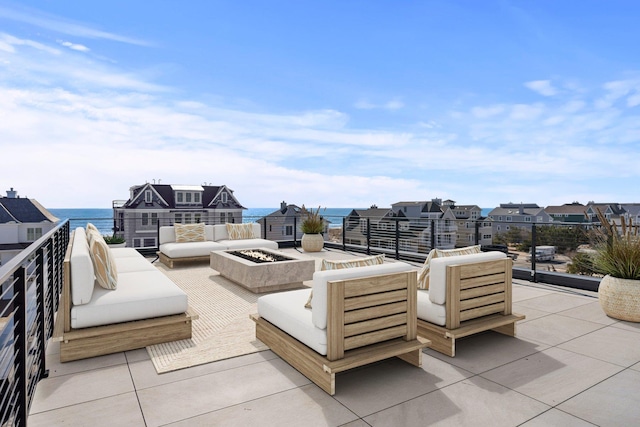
{"x": 620, "y": 298}
{"x": 312, "y": 242}
{"x": 116, "y": 245}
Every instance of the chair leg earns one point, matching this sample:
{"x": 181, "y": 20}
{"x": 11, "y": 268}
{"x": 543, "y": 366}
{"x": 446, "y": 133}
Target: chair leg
{"x": 413, "y": 357}
{"x": 509, "y": 329}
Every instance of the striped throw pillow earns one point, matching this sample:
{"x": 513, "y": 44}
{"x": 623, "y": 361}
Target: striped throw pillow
{"x": 104, "y": 264}
{"x": 423, "y": 276}
{"x": 189, "y": 232}
{"x": 240, "y": 231}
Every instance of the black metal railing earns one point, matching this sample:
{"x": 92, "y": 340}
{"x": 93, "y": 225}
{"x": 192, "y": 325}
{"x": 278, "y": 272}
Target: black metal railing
{"x": 31, "y": 283}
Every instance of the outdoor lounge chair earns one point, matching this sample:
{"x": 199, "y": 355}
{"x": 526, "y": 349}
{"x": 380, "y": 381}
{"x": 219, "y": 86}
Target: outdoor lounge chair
{"x": 467, "y": 294}
{"x": 358, "y": 316}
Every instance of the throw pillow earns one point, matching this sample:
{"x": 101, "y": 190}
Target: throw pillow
{"x": 349, "y": 263}
{"x": 423, "y": 276}
{"x": 92, "y": 234}
{"x": 104, "y": 264}
{"x": 240, "y": 231}
{"x": 189, "y": 232}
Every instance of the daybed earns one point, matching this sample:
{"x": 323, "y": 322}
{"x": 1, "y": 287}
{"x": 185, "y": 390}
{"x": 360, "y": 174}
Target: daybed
{"x": 141, "y": 307}
{"x": 467, "y": 294}
{"x": 358, "y": 316}
{"x": 176, "y": 245}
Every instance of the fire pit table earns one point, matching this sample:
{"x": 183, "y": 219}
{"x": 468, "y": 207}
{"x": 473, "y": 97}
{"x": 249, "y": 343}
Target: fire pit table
{"x": 262, "y": 270}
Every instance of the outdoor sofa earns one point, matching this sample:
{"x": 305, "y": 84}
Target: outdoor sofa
{"x": 115, "y": 300}
{"x": 357, "y": 316}
{"x": 191, "y": 245}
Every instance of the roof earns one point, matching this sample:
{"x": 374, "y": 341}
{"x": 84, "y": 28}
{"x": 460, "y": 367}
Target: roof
{"x": 22, "y": 210}
{"x": 166, "y": 192}
{"x": 568, "y": 208}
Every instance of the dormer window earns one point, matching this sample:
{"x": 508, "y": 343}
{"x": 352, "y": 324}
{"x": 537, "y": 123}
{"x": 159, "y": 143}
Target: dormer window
{"x": 223, "y": 197}
{"x": 148, "y": 196}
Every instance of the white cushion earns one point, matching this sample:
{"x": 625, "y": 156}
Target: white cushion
{"x": 320, "y": 279}
{"x": 140, "y": 295}
{"x": 190, "y": 249}
{"x": 128, "y": 264}
{"x": 286, "y": 311}
{"x": 124, "y": 253}
{"x": 429, "y": 311}
{"x": 82, "y": 274}
{"x": 220, "y": 231}
{"x": 248, "y": 244}
{"x": 438, "y": 280}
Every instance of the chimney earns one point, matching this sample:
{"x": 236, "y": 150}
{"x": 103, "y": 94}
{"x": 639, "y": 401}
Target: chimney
{"x": 283, "y": 206}
{"x": 11, "y": 194}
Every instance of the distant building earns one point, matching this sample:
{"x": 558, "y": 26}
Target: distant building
{"x": 467, "y": 218}
{"x": 150, "y": 205}
{"x": 420, "y": 214}
{"x": 518, "y": 215}
{"x": 281, "y": 224}
{"x": 569, "y": 212}
{"x": 22, "y": 222}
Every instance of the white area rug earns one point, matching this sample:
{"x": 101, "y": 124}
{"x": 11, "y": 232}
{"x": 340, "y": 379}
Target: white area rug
{"x": 223, "y": 329}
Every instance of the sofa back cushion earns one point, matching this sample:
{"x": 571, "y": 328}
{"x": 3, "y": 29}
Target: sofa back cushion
{"x": 167, "y": 234}
{"x": 189, "y": 232}
{"x": 424, "y": 274}
{"x": 438, "y": 281}
{"x": 351, "y": 263}
{"x": 320, "y": 279}
{"x": 220, "y": 231}
{"x": 104, "y": 264}
{"x": 81, "y": 269}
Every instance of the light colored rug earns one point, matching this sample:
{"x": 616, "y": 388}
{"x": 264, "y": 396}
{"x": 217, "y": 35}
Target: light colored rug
{"x": 223, "y": 329}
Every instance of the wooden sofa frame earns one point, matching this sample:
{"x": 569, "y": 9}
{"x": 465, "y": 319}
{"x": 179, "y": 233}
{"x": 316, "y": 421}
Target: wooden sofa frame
{"x": 83, "y": 343}
{"x": 169, "y": 262}
{"x": 369, "y": 319}
{"x": 478, "y": 299}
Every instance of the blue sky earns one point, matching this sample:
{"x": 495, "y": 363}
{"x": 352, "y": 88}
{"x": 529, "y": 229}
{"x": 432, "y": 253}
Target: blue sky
{"x": 332, "y": 103}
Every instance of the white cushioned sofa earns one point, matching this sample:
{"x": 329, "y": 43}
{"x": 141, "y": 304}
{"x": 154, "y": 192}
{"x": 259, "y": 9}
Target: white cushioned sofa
{"x": 216, "y": 238}
{"x": 143, "y": 307}
{"x": 358, "y": 315}
{"x": 467, "y": 294}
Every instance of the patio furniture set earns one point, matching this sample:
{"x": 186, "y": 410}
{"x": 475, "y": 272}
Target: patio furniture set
{"x": 357, "y": 311}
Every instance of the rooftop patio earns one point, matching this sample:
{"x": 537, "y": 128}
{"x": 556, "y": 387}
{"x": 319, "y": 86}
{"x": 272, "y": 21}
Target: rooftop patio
{"x": 569, "y": 365}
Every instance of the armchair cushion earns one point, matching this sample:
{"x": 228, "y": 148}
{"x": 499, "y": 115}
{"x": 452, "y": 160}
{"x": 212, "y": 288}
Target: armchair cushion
{"x": 423, "y": 275}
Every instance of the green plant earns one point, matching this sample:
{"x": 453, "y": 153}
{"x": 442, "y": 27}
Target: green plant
{"x": 312, "y": 222}
{"x": 581, "y": 263}
{"x": 617, "y": 254}
{"x": 112, "y": 240}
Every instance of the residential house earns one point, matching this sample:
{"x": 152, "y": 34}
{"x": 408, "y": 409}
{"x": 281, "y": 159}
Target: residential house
{"x": 435, "y": 226}
{"x": 519, "y": 215}
{"x": 468, "y": 217}
{"x": 632, "y": 213}
{"x": 611, "y": 211}
{"x": 378, "y": 222}
{"x": 22, "y": 222}
{"x": 569, "y": 212}
{"x": 151, "y": 205}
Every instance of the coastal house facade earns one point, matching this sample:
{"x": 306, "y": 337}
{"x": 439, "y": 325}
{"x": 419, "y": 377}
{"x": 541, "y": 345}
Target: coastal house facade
{"x": 518, "y": 215}
{"x": 22, "y": 222}
{"x": 284, "y": 222}
{"x": 468, "y": 217}
{"x": 436, "y": 226}
{"x": 151, "y": 205}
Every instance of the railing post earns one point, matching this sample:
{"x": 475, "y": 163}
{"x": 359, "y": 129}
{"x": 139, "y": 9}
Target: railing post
{"x": 40, "y": 315}
{"x": 368, "y": 236}
{"x": 295, "y": 232}
{"x": 533, "y": 253}
{"x": 344, "y": 233}
{"x": 397, "y": 238}
{"x": 477, "y": 227}
{"x": 433, "y": 234}
{"x": 20, "y": 329}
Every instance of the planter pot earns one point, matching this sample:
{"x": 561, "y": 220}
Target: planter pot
{"x": 312, "y": 242}
{"x": 620, "y": 298}
{"x": 116, "y": 245}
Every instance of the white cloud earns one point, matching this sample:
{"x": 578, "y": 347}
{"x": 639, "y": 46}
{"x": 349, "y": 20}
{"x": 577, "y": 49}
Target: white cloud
{"x": 74, "y": 46}
{"x": 394, "y": 104}
{"x": 543, "y": 87}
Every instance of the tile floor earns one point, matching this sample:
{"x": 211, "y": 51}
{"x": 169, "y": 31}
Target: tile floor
{"x": 570, "y": 365}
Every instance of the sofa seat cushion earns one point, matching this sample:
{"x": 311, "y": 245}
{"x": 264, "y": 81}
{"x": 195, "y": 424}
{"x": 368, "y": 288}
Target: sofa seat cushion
{"x": 129, "y": 264}
{"x": 286, "y": 311}
{"x": 190, "y": 249}
{"x": 438, "y": 280}
{"x": 320, "y": 279}
{"x": 124, "y": 253}
{"x": 140, "y": 295}
{"x": 248, "y": 244}
{"x": 429, "y": 311}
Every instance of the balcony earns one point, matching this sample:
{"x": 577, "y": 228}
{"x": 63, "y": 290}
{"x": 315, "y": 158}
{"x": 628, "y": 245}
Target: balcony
{"x": 569, "y": 365}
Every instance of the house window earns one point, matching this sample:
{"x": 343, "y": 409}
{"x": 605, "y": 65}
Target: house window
{"x": 34, "y": 234}
{"x": 382, "y": 226}
{"x": 222, "y": 217}
{"x": 509, "y": 218}
{"x": 223, "y": 197}
{"x": 187, "y": 197}
{"x": 187, "y": 218}
{"x": 527, "y": 219}
{"x": 288, "y": 230}
{"x": 196, "y": 197}
{"x": 197, "y": 218}
{"x": 230, "y": 217}
{"x": 145, "y": 219}
{"x": 363, "y": 226}
{"x": 178, "y": 218}
{"x": 154, "y": 218}
{"x": 148, "y": 197}
{"x": 486, "y": 236}
{"x": 539, "y": 219}
{"x": 404, "y": 226}
{"x": 179, "y": 197}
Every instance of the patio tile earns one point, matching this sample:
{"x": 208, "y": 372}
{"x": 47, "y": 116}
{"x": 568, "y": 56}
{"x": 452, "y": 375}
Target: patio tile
{"x": 57, "y": 368}
{"x": 525, "y": 292}
{"x": 555, "y": 329}
{"x": 378, "y": 386}
{"x": 610, "y": 344}
{"x": 137, "y": 355}
{"x": 591, "y": 312}
{"x": 530, "y": 313}
{"x": 627, "y": 326}
{"x": 636, "y": 367}
{"x": 613, "y": 402}
{"x": 555, "y": 302}
{"x": 305, "y": 406}
{"x": 119, "y": 410}
{"x": 553, "y": 375}
{"x": 477, "y": 353}
{"x": 197, "y": 396}
{"x": 66, "y": 390}
{"x": 554, "y": 417}
{"x": 144, "y": 373}
{"x": 462, "y": 404}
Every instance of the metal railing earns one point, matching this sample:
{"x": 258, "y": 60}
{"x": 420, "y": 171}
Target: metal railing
{"x": 31, "y": 283}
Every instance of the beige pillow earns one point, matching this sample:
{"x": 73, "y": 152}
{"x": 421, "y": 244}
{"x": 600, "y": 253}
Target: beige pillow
{"x": 423, "y": 276}
{"x": 349, "y": 263}
{"x": 189, "y": 232}
{"x": 92, "y": 234}
{"x": 104, "y": 264}
{"x": 240, "y": 231}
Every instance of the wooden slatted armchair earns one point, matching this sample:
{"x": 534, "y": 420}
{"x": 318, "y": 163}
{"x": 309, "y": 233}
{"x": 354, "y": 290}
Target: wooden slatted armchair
{"x": 359, "y": 316}
{"x": 467, "y": 294}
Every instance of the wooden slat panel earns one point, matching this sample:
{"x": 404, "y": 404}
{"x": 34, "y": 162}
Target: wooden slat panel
{"x": 453, "y": 297}
{"x": 490, "y": 279}
{"x": 482, "y": 268}
{"x": 375, "y": 337}
{"x": 375, "y": 299}
{"x": 379, "y": 311}
{"x": 335, "y": 320}
{"x": 412, "y": 307}
{"x": 481, "y": 301}
{"x": 508, "y": 291}
{"x": 374, "y": 284}
{"x": 484, "y": 290}
{"x": 379, "y": 351}
{"x": 374, "y": 325}
{"x": 482, "y": 311}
